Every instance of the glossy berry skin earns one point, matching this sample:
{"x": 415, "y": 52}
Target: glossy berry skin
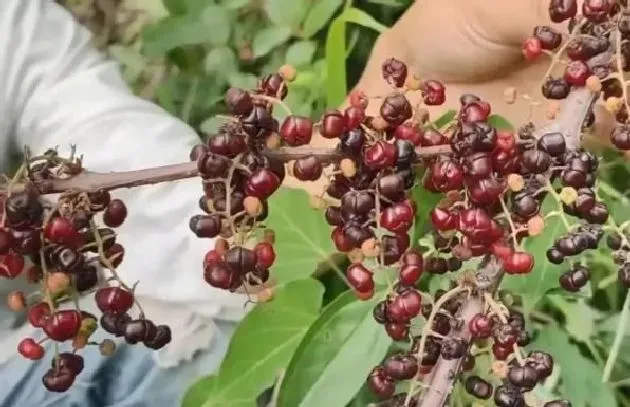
{"x": 407, "y": 131}
{"x": 447, "y": 175}
{"x": 562, "y": 10}
{"x": 61, "y": 231}
{"x": 479, "y": 388}
{"x": 398, "y": 218}
{"x": 531, "y": 48}
{"x": 38, "y": 314}
{"x": 397, "y": 331}
{"x": 360, "y": 278}
{"x": 114, "y": 300}
{"x": 239, "y": 101}
{"x": 519, "y": 263}
{"x": 400, "y": 367}
{"x": 307, "y": 168}
{"x": 444, "y": 220}
{"x": 620, "y": 137}
{"x": 63, "y": 325}
{"x": 596, "y": 11}
{"x": 296, "y": 130}
{"x": 58, "y": 380}
{"x": 265, "y": 255}
{"x": 382, "y": 385}
{"x": 576, "y": 73}
{"x": 409, "y": 274}
{"x": 11, "y": 265}
{"x": 550, "y": 39}
{"x": 115, "y": 213}
{"x": 30, "y": 349}
{"x": 380, "y": 155}
{"x": 262, "y": 183}
{"x": 574, "y": 279}
{"x": 501, "y": 352}
{"x": 480, "y": 326}
{"x": 332, "y": 124}
{"x": 433, "y": 93}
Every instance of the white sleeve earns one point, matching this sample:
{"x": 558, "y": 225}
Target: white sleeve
{"x": 61, "y": 91}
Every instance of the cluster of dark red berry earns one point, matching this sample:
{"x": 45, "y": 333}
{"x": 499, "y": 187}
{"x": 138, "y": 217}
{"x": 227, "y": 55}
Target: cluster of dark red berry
{"x": 66, "y": 249}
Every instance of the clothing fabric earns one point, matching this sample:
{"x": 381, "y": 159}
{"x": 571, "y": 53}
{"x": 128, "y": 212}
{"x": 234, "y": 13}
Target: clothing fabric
{"x": 57, "y": 91}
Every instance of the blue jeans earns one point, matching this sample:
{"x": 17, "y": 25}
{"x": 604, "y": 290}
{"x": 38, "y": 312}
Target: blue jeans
{"x": 130, "y": 378}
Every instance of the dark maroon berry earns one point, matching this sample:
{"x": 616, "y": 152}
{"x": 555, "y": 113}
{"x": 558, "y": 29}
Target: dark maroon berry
{"x": 58, "y": 380}
{"x": 262, "y": 183}
{"x": 550, "y": 39}
{"x": 574, "y": 279}
{"x": 114, "y": 323}
{"x": 161, "y": 338}
{"x": 504, "y": 335}
{"x": 559, "y": 11}
{"x": 620, "y": 137}
{"x": 596, "y": 11}
{"x": 63, "y": 325}
{"x": 397, "y": 331}
{"x": 396, "y": 109}
{"x": 380, "y": 155}
{"x": 332, "y": 124}
{"x": 114, "y": 300}
{"x": 297, "y": 130}
{"x": 241, "y": 260}
{"x": 553, "y": 144}
{"x": 139, "y": 330}
{"x": 536, "y": 161}
{"x": 221, "y": 276}
{"x": 380, "y": 312}
{"x": 555, "y": 256}
{"x": 205, "y": 226}
{"x": 394, "y": 72}
{"x": 479, "y": 388}
{"x": 542, "y": 362}
{"x": 555, "y": 89}
{"x": 577, "y": 72}
{"x": 508, "y": 396}
{"x": 360, "y": 278}
{"x": 598, "y": 214}
{"x": 400, "y": 367}
{"x": 307, "y": 168}
{"x": 213, "y": 165}
{"x": 71, "y": 361}
{"x": 115, "y": 213}
{"x": 227, "y": 143}
{"x": 433, "y": 93}
{"x": 614, "y": 241}
{"x": 480, "y": 326}
{"x": 523, "y": 376}
{"x": 381, "y": 384}
{"x": 239, "y": 102}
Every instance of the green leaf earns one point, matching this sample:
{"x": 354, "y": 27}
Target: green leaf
{"x": 425, "y": 201}
{"x": 283, "y": 12}
{"x": 500, "y": 122}
{"x": 360, "y": 17}
{"x": 336, "y": 85}
{"x": 220, "y": 61}
{"x": 544, "y": 277}
{"x": 338, "y": 352}
{"x": 580, "y": 377}
{"x": 301, "y": 53}
{"x": 242, "y": 80}
{"x": 318, "y": 16}
{"x": 211, "y": 26}
{"x": 445, "y": 119}
{"x": 618, "y": 203}
{"x": 234, "y": 4}
{"x": 269, "y": 38}
{"x": 261, "y": 346}
{"x": 579, "y": 317}
{"x": 302, "y": 235}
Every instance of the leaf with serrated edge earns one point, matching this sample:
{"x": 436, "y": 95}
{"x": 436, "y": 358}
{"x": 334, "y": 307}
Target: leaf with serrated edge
{"x": 302, "y": 235}
{"x": 338, "y": 352}
{"x": 262, "y": 345}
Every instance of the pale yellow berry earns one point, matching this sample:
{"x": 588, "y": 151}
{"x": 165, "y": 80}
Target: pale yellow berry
{"x": 613, "y": 104}
{"x": 531, "y": 399}
{"x": 515, "y": 182}
{"x": 553, "y": 109}
{"x": 317, "y": 202}
{"x": 568, "y": 195}
{"x": 287, "y": 72}
{"x": 509, "y": 95}
{"x": 57, "y": 282}
{"x": 16, "y": 301}
{"x": 412, "y": 83}
{"x": 269, "y": 236}
{"x": 107, "y": 347}
{"x": 370, "y": 248}
{"x": 88, "y": 326}
{"x": 500, "y": 369}
{"x": 348, "y": 167}
{"x": 594, "y": 84}
{"x": 273, "y": 141}
{"x": 356, "y": 256}
{"x": 79, "y": 341}
{"x": 378, "y": 123}
{"x": 535, "y": 225}
{"x": 252, "y": 206}
{"x": 265, "y": 295}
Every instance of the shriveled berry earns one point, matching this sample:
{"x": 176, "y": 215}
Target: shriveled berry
{"x": 531, "y": 48}
{"x": 433, "y": 93}
{"x": 556, "y": 89}
{"x": 394, "y": 72}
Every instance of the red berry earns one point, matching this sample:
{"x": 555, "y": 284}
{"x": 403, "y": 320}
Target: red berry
{"x": 505, "y": 141}
{"x": 360, "y": 278}
{"x": 342, "y": 242}
{"x": 380, "y": 155}
{"x": 212, "y": 257}
{"x": 519, "y": 263}
{"x": 480, "y": 326}
{"x": 63, "y": 325}
{"x": 531, "y": 48}
{"x": 444, "y": 220}
{"x": 447, "y": 175}
{"x": 61, "y": 231}
{"x": 432, "y": 137}
{"x": 220, "y": 275}
{"x": 407, "y": 131}
{"x": 262, "y": 183}
{"x": 38, "y": 314}
{"x": 365, "y": 296}
{"x": 115, "y": 213}
{"x": 501, "y": 352}
{"x": 409, "y": 274}
{"x": 115, "y": 254}
{"x": 297, "y": 130}
{"x": 433, "y": 93}
{"x": 576, "y": 73}
{"x": 31, "y": 349}
{"x": 332, "y": 124}
{"x": 397, "y": 218}
{"x": 596, "y": 11}
{"x": 405, "y": 306}
{"x": 475, "y": 112}
{"x": 501, "y": 250}
{"x": 397, "y": 332}
{"x": 358, "y": 99}
{"x": 114, "y": 300}
{"x": 475, "y": 223}
{"x": 412, "y": 258}
{"x": 353, "y": 117}
{"x": 11, "y": 265}
{"x": 265, "y": 256}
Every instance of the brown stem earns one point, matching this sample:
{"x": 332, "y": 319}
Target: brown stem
{"x": 439, "y": 384}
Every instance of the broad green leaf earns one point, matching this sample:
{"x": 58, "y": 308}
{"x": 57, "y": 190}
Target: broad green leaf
{"x": 445, "y": 119}
{"x": 425, "y": 201}
{"x": 618, "y": 203}
{"x": 336, "y": 85}
{"x": 580, "y": 378}
{"x": 579, "y": 317}
{"x": 261, "y": 346}
{"x": 302, "y": 235}
{"x": 234, "y": 4}
{"x": 269, "y": 38}
{"x": 220, "y": 61}
{"x": 338, "y": 352}
{"x": 301, "y": 53}
{"x": 500, "y": 122}
{"x": 242, "y": 80}
{"x": 211, "y": 26}
{"x": 211, "y": 125}
{"x": 544, "y": 277}
{"x": 283, "y": 12}
{"x": 360, "y": 17}
{"x": 318, "y": 16}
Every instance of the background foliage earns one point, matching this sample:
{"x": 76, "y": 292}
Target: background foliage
{"x": 315, "y": 335}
